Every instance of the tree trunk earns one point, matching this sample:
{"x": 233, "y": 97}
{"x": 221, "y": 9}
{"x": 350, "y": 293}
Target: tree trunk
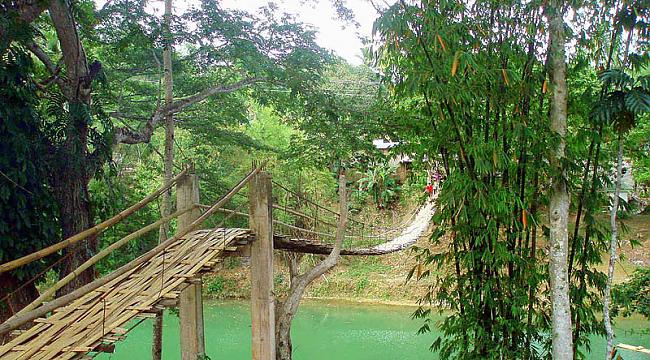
{"x": 156, "y": 343}
{"x": 562, "y": 339}
{"x": 16, "y": 299}
{"x": 166, "y": 205}
{"x": 74, "y": 208}
{"x": 71, "y": 191}
{"x": 613, "y": 250}
{"x": 71, "y": 181}
{"x": 286, "y": 309}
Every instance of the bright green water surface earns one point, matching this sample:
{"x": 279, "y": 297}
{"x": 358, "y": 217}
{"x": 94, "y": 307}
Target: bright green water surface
{"x": 328, "y": 331}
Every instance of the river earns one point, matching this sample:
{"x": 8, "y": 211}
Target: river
{"x": 326, "y": 331}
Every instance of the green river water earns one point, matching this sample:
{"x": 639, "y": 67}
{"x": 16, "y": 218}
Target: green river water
{"x": 328, "y": 331}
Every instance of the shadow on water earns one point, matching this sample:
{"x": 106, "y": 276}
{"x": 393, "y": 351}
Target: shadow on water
{"x": 328, "y": 330}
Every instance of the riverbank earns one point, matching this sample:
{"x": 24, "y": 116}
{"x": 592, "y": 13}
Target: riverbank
{"x": 382, "y": 279}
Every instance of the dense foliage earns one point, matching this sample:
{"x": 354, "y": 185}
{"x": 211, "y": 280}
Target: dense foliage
{"x": 633, "y": 296}
{"x": 28, "y": 220}
{"x": 475, "y": 83}
{"x": 461, "y": 86}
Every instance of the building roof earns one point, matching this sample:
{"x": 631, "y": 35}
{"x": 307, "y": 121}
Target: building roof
{"x": 382, "y": 144}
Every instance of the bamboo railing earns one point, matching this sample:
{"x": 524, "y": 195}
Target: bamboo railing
{"x": 96, "y": 258}
{"x": 19, "y": 320}
{"x": 91, "y": 231}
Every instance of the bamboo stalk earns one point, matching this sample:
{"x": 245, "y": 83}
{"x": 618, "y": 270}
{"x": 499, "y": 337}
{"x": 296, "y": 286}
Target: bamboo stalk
{"x": 96, "y": 258}
{"x": 18, "y": 321}
{"x": 88, "y": 232}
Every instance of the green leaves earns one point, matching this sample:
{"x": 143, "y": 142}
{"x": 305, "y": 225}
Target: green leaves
{"x": 381, "y": 183}
{"x": 616, "y": 77}
{"x": 28, "y": 216}
{"x": 620, "y": 106}
{"x": 637, "y": 100}
{"x": 633, "y": 296}
{"x": 472, "y": 83}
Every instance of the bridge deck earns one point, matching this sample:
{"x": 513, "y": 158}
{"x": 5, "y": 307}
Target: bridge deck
{"x": 96, "y": 319}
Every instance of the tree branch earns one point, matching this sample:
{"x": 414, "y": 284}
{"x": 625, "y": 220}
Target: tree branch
{"x": 28, "y": 11}
{"x": 43, "y": 57}
{"x": 54, "y": 70}
{"x": 332, "y": 259}
{"x": 127, "y": 135}
{"x": 179, "y": 105}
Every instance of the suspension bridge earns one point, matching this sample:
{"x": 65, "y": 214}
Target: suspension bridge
{"x": 91, "y": 319}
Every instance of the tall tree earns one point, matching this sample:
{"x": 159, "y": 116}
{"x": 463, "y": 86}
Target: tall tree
{"x": 230, "y": 51}
{"x": 166, "y": 204}
{"x": 628, "y": 99}
{"x": 74, "y": 160}
{"x": 562, "y": 336}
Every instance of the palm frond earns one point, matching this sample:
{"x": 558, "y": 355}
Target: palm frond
{"x": 637, "y": 100}
{"x": 616, "y": 77}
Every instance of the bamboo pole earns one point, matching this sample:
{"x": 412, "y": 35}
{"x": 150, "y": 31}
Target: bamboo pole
{"x": 16, "y": 322}
{"x": 88, "y": 232}
{"x": 95, "y": 259}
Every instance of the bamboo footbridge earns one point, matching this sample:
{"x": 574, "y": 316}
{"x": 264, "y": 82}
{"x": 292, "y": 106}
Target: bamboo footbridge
{"x": 90, "y": 320}
{"x": 94, "y": 321}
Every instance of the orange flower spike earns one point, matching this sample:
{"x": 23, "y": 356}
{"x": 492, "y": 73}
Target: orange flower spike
{"x": 524, "y": 218}
{"x": 505, "y": 77}
{"x": 454, "y": 65}
{"x": 442, "y": 43}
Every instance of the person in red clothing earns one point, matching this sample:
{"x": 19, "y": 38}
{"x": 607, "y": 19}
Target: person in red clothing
{"x": 428, "y": 189}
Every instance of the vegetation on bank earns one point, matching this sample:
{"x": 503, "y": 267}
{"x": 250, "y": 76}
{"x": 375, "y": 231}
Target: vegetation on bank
{"x": 382, "y": 279}
{"x": 524, "y": 129}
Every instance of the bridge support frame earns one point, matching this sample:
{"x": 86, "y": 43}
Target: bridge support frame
{"x": 191, "y": 298}
{"x": 262, "y": 299}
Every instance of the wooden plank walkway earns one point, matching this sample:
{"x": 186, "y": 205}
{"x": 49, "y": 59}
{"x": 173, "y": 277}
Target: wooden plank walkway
{"x": 96, "y": 319}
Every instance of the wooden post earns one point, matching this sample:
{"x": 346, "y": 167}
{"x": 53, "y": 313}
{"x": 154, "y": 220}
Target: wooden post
{"x": 190, "y": 299}
{"x": 262, "y": 300}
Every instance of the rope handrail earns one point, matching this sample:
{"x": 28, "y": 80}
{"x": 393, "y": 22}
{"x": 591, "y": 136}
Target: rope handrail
{"x": 223, "y": 221}
{"x": 350, "y": 219}
{"x": 409, "y": 236}
{"x": 293, "y": 227}
{"x": 91, "y": 231}
{"x": 16, "y": 322}
{"x": 301, "y": 214}
{"x": 302, "y": 197}
{"x": 97, "y": 257}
